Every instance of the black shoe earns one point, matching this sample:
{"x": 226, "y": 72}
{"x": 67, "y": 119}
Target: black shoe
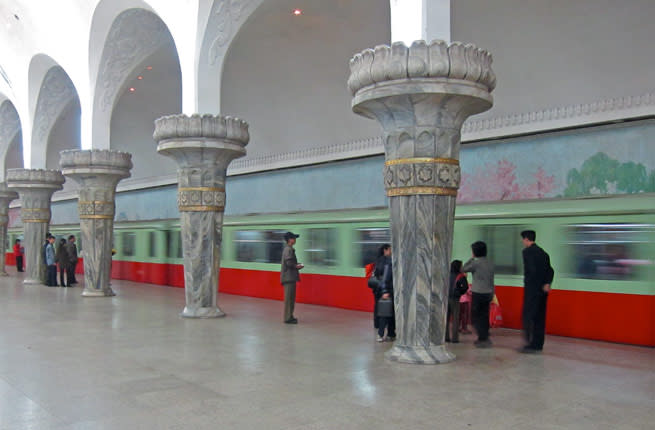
{"x": 454, "y": 341}
{"x": 529, "y": 350}
{"x": 291, "y": 321}
{"x": 482, "y": 343}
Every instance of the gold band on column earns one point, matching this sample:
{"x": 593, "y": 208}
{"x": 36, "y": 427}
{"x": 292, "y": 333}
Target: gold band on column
{"x": 201, "y": 208}
{"x": 410, "y": 191}
{"x": 97, "y": 216}
{"x": 36, "y": 220}
{"x": 419, "y": 160}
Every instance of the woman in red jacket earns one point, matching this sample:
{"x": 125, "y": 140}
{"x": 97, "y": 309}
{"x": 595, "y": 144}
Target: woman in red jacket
{"x": 18, "y": 254}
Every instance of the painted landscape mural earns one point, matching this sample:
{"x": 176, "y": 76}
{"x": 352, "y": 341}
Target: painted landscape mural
{"x": 618, "y": 160}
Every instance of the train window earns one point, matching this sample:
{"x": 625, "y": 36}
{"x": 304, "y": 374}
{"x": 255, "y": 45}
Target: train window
{"x": 179, "y": 244}
{"x": 152, "y": 244}
{"x": 129, "y": 244}
{"x": 608, "y": 251}
{"x": 321, "y": 246}
{"x": 369, "y": 241}
{"x": 260, "y": 246}
{"x": 504, "y": 248}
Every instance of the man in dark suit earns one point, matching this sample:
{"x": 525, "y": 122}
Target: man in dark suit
{"x": 71, "y": 249}
{"x": 538, "y": 275}
{"x": 289, "y": 275}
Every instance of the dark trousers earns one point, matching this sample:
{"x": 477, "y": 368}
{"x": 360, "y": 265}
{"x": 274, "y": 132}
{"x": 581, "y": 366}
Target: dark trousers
{"x": 70, "y": 273}
{"x": 62, "y": 272}
{"x": 534, "y": 320}
{"x": 388, "y": 323}
{"x": 19, "y": 263}
{"x": 289, "y": 300}
{"x": 51, "y": 276}
{"x": 452, "y": 327}
{"x": 480, "y": 314}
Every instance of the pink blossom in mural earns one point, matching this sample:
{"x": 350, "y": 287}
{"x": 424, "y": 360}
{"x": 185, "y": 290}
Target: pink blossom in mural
{"x": 543, "y": 185}
{"x": 498, "y": 182}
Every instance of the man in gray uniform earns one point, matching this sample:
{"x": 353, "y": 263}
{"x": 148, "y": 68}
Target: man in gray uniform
{"x": 289, "y": 275}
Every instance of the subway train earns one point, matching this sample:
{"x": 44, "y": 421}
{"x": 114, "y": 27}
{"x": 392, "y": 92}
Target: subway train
{"x": 602, "y": 250}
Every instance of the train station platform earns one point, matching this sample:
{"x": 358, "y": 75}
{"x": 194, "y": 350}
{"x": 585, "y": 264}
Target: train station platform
{"x": 130, "y": 362}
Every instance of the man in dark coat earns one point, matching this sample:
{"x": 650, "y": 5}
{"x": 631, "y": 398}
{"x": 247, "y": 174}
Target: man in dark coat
{"x": 289, "y": 275}
{"x": 71, "y": 249}
{"x": 538, "y": 275}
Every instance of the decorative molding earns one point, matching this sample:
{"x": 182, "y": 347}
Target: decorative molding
{"x": 134, "y": 35}
{"x": 55, "y": 94}
{"x": 436, "y": 59}
{"x": 600, "y": 111}
{"x": 201, "y": 126}
{"x": 223, "y": 25}
{"x": 9, "y": 123}
{"x": 94, "y": 159}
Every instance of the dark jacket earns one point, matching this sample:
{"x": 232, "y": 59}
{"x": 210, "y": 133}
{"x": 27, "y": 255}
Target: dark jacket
{"x": 457, "y": 284}
{"x": 386, "y": 282}
{"x": 71, "y": 249}
{"x": 289, "y": 272}
{"x": 62, "y": 256}
{"x": 537, "y": 270}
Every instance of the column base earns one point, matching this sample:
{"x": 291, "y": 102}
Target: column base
{"x": 3, "y": 273}
{"x": 98, "y": 293}
{"x": 434, "y": 354}
{"x": 202, "y": 313}
{"x": 29, "y": 281}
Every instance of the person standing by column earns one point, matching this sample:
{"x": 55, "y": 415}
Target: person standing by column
{"x": 18, "y": 255}
{"x": 63, "y": 262}
{"x": 51, "y": 265}
{"x": 483, "y": 291}
{"x": 289, "y": 275}
{"x": 537, "y": 278}
{"x": 71, "y": 249}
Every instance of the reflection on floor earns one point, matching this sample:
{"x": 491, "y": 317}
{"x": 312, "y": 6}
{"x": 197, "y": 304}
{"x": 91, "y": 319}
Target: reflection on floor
{"x": 130, "y": 362}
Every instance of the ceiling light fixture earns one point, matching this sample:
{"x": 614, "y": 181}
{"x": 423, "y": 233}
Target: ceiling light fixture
{"x": 139, "y": 77}
{"x": 132, "y": 89}
{"x": 297, "y": 12}
{"x": 149, "y": 68}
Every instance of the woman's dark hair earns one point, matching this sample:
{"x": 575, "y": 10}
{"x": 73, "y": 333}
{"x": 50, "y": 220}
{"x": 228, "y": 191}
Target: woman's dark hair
{"x": 479, "y": 249}
{"x": 382, "y": 249}
{"x": 456, "y": 266}
{"x": 62, "y": 241}
{"x": 17, "y": 240}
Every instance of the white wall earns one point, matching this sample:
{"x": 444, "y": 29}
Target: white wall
{"x": 287, "y": 75}
{"x": 561, "y": 52}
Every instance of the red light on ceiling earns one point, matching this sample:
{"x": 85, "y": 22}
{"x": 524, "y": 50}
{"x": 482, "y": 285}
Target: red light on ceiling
{"x": 139, "y": 77}
{"x": 149, "y": 68}
{"x": 132, "y": 89}
{"x": 297, "y": 12}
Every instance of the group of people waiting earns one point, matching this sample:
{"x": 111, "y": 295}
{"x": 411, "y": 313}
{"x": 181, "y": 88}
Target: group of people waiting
{"x": 538, "y": 276}
{"x": 64, "y": 256}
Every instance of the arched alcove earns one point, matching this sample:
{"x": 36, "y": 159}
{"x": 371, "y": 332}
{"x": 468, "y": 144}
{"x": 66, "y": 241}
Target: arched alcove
{"x": 11, "y": 138}
{"x": 286, "y": 74}
{"x": 139, "y": 80}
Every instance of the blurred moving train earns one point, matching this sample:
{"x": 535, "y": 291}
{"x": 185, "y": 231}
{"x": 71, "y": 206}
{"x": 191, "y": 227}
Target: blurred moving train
{"x": 602, "y": 249}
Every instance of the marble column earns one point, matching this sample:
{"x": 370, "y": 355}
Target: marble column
{"x": 35, "y": 188}
{"x": 6, "y": 196}
{"x": 97, "y": 172}
{"x": 203, "y": 147}
{"x": 421, "y": 96}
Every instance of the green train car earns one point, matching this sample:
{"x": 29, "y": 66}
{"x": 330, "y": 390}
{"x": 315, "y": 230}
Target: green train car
{"x": 602, "y": 250}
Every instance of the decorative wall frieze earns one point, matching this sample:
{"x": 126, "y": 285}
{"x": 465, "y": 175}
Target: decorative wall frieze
{"x": 9, "y": 122}
{"x": 55, "y": 94}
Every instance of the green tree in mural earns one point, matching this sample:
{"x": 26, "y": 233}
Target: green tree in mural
{"x": 599, "y": 171}
{"x": 631, "y": 178}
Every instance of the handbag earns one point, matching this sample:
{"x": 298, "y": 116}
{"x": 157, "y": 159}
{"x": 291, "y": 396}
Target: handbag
{"x": 385, "y": 308}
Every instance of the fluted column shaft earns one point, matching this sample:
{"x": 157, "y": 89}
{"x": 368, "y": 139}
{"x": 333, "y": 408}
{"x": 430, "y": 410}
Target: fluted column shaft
{"x": 203, "y": 147}
{"x": 98, "y": 173}
{"x": 421, "y": 97}
{"x": 35, "y": 188}
{"x": 6, "y": 196}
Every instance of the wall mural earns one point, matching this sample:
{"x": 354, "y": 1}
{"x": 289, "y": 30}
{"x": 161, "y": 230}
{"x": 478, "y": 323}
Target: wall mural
{"x": 600, "y": 162}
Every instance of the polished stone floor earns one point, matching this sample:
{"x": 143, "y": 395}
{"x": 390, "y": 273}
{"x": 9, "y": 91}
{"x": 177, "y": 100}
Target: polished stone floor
{"x": 130, "y": 362}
